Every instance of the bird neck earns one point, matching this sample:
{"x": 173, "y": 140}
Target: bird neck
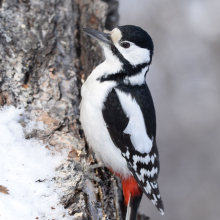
{"x": 128, "y": 74}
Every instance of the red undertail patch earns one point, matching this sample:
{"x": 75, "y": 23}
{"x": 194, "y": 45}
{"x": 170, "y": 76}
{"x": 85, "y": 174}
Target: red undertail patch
{"x": 129, "y": 186}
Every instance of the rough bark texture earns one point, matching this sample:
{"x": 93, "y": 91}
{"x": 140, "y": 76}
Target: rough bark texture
{"x": 44, "y": 57}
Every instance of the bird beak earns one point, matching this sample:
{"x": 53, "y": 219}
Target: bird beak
{"x": 100, "y": 36}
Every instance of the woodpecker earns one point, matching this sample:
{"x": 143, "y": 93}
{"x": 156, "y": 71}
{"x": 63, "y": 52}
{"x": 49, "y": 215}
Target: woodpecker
{"x": 118, "y": 116}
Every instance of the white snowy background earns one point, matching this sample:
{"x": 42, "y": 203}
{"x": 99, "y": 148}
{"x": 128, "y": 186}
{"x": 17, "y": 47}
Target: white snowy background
{"x": 23, "y": 162}
{"x": 184, "y": 81}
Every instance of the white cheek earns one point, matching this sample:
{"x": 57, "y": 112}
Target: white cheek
{"x": 134, "y": 54}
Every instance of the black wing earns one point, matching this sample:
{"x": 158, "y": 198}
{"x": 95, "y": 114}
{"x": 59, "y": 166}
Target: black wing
{"x": 140, "y": 164}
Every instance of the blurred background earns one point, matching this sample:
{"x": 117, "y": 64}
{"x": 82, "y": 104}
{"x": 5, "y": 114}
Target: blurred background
{"x": 184, "y": 81}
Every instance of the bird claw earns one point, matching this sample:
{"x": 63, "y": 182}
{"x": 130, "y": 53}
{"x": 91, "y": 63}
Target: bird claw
{"x": 92, "y": 176}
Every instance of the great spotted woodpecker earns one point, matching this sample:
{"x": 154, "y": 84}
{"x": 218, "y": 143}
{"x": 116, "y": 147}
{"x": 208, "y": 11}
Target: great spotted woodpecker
{"x": 118, "y": 116}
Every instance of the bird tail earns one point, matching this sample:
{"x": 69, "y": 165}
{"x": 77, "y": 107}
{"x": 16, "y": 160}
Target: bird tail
{"x": 132, "y": 207}
{"x": 151, "y": 190}
{"x": 153, "y": 193}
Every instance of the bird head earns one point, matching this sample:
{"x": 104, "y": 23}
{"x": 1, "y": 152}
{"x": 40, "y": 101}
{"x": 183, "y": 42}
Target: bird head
{"x": 130, "y": 44}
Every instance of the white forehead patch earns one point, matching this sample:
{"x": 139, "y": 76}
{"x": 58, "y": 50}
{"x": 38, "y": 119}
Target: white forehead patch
{"x": 116, "y": 35}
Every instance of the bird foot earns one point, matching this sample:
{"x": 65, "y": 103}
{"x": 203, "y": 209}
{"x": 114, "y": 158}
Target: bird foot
{"x": 92, "y": 176}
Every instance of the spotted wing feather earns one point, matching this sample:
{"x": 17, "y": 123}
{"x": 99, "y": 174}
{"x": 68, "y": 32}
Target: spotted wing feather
{"x": 140, "y": 164}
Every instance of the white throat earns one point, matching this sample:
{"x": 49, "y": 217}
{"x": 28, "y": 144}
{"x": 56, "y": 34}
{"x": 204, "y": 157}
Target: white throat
{"x": 112, "y": 60}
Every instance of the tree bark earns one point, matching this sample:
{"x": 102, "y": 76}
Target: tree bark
{"x": 44, "y": 58}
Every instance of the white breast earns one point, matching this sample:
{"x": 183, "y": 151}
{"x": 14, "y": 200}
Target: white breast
{"x": 93, "y": 95}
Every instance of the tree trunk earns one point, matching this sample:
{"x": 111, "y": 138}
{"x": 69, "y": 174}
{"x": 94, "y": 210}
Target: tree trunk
{"x": 44, "y": 58}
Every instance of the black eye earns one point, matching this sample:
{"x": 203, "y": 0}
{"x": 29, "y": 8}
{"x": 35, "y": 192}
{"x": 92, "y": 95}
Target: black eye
{"x": 125, "y": 44}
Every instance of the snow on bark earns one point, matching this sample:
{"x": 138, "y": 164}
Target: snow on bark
{"x": 27, "y": 170}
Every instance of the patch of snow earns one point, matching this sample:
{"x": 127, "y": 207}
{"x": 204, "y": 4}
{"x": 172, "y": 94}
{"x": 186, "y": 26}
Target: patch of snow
{"x": 34, "y": 125}
{"x": 23, "y": 162}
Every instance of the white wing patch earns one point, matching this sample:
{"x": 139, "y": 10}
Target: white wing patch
{"x": 144, "y": 160}
{"x": 127, "y": 154}
{"x": 154, "y": 185}
{"x": 149, "y": 173}
{"x": 153, "y": 158}
{"x": 154, "y": 171}
{"x": 145, "y": 172}
{"x": 161, "y": 211}
{"x": 136, "y": 126}
{"x": 154, "y": 200}
{"x": 148, "y": 188}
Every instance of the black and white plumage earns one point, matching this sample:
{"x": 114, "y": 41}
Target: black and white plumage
{"x": 117, "y": 111}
